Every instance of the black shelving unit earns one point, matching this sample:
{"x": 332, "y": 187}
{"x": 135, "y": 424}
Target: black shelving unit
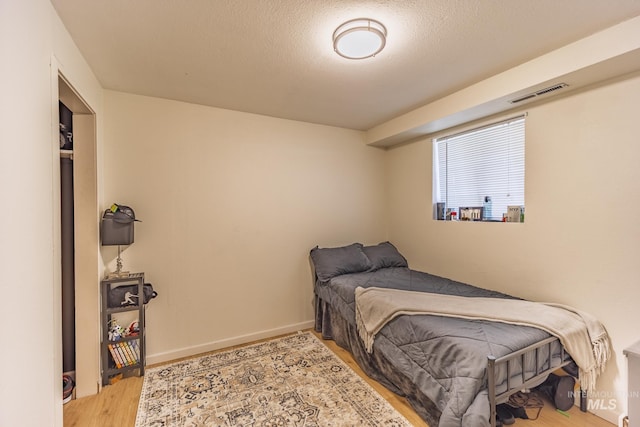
{"x": 109, "y": 365}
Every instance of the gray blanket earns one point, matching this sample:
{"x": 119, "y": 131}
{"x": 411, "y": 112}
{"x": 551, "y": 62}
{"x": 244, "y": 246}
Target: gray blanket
{"x": 583, "y": 336}
{"x": 442, "y": 359}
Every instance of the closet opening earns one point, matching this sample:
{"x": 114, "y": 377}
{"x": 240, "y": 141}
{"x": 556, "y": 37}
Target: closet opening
{"x": 77, "y": 242}
{"x": 67, "y": 253}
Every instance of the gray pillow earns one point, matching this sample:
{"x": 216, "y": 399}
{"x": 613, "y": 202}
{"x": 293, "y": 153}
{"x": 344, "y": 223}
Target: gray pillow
{"x": 331, "y": 262}
{"x": 384, "y": 255}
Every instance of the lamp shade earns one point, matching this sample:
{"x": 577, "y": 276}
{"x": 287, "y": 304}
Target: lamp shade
{"x": 117, "y": 226}
{"x": 359, "y": 38}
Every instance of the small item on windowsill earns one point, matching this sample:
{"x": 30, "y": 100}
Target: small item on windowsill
{"x": 470, "y": 213}
{"x": 454, "y": 216}
{"x": 515, "y": 213}
{"x": 486, "y": 208}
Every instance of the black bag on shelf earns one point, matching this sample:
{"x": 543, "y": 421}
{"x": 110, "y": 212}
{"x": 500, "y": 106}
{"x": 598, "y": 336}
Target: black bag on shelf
{"x": 126, "y": 295}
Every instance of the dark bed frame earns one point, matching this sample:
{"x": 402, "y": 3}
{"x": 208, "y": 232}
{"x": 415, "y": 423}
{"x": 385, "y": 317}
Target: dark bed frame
{"x": 541, "y": 373}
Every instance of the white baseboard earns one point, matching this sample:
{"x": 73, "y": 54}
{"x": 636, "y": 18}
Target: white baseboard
{"x": 227, "y": 342}
{"x": 613, "y": 416}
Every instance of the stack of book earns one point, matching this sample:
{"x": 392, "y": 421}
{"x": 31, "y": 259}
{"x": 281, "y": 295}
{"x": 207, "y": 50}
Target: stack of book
{"x": 125, "y": 353}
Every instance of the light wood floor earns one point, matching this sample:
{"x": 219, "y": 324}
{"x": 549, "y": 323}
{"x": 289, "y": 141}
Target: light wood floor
{"x": 117, "y": 404}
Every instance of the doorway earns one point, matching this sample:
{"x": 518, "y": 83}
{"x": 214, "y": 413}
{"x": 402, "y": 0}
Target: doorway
{"x": 77, "y": 242}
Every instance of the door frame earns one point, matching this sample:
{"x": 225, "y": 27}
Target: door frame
{"x": 86, "y": 235}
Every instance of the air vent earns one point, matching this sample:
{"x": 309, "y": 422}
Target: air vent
{"x": 551, "y": 89}
{"x": 524, "y": 98}
{"x": 539, "y": 92}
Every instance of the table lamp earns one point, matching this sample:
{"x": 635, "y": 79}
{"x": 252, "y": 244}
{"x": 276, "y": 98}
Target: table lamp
{"x": 117, "y": 230}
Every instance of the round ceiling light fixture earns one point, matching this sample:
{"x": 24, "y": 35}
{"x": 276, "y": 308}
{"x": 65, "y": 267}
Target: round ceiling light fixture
{"x": 359, "y": 38}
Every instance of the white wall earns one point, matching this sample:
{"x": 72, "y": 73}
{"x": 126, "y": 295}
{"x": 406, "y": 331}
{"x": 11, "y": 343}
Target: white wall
{"x": 30, "y": 36}
{"x": 26, "y": 229}
{"x": 579, "y": 245}
{"x": 231, "y": 203}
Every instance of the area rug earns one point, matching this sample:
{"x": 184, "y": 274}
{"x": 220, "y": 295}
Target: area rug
{"x": 291, "y": 381}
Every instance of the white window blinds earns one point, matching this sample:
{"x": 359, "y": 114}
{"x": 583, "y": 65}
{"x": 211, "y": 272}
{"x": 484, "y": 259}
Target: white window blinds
{"x": 482, "y": 167}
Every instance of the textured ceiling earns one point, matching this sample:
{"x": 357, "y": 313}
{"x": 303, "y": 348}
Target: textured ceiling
{"x": 275, "y": 57}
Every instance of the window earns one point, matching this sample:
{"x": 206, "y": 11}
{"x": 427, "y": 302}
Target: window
{"x": 479, "y": 168}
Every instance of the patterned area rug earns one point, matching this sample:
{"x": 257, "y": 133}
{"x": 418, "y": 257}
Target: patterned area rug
{"x": 291, "y": 381}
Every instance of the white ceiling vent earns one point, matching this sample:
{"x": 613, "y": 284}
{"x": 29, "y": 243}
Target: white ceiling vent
{"x": 539, "y": 92}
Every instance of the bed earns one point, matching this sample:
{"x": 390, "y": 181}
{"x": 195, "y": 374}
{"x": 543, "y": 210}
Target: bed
{"x": 453, "y": 371}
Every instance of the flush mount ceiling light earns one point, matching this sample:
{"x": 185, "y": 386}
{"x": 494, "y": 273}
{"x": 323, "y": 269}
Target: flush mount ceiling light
{"x": 359, "y": 38}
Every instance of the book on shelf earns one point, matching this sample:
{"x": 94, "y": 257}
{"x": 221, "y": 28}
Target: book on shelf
{"x": 123, "y": 357}
{"x": 127, "y": 349}
{"x": 131, "y": 357}
{"x": 123, "y": 361}
{"x": 136, "y": 349}
{"x": 115, "y": 356}
{"x": 124, "y": 353}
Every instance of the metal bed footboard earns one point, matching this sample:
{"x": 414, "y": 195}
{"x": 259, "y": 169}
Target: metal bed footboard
{"x": 542, "y": 370}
